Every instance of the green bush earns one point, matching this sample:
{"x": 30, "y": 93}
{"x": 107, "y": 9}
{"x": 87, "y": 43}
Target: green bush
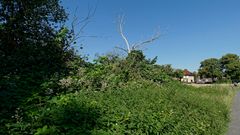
{"x": 120, "y": 96}
{"x": 113, "y": 71}
{"x": 140, "y": 107}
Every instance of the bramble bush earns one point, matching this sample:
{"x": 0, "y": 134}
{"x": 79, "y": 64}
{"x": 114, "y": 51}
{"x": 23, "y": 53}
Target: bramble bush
{"x": 46, "y": 89}
{"x": 117, "y": 95}
{"x": 112, "y": 71}
{"x": 140, "y": 107}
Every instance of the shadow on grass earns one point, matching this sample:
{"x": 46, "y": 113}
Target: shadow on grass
{"x": 72, "y": 118}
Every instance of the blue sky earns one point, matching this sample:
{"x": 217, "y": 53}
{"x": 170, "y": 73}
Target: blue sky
{"x": 192, "y": 30}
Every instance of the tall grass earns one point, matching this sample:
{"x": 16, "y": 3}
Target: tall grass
{"x": 138, "y": 108}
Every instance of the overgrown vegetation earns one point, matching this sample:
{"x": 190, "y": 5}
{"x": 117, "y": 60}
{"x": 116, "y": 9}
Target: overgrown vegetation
{"x": 45, "y": 88}
{"x": 117, "y": 95}
{"x": 138, "y": 107}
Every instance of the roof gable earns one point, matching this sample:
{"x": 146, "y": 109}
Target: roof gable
{"x": 187, "y": 73}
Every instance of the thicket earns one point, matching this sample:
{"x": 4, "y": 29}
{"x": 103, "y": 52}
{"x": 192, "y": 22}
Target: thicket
{"x": 45, "y": 88}
{"x": 141, "y": 107}
{"x": 34, "y": 47}
{"x": 117, "y": 95}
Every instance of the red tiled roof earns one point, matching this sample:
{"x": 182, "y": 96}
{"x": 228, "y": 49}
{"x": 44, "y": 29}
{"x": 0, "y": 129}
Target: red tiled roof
{"x": 187, "y": 73}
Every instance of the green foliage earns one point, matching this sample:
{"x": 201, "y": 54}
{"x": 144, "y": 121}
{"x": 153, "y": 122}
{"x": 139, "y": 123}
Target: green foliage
{"x": 27, "y": 45}
{"x": 210, "y": 68}
{"x": 233, "y": 71}
{"x": 224, "y": 81}
{"x": 167, "y": 69}
{"x": 113, "y": 71}
{"x": 228, "y": 58}
{"x": 31, "y": 52}
{"x": 224, "y": 69}
{"x": 117, "y": 95}
{"x": 45, "y": 131}
{"x": 231, "y": 66}
{"x": 140, "y": 107}
{"x": 178, "y": 73}
{"x": 46, "y": 89}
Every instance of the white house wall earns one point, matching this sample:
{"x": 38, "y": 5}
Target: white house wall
{"x": 188, "y": 79}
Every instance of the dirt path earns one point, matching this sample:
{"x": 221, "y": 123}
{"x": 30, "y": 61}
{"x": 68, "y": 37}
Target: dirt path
{"x": 234, "y": 127}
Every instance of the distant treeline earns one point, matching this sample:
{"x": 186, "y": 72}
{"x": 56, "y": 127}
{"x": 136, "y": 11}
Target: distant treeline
{"x": 227, "y": 68}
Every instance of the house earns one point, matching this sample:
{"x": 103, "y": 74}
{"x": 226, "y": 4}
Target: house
{"x": 188, "y": 77}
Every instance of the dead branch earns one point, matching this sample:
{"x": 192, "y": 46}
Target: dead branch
{"x": 135, "y": 46}
{"x": 81, "y": 23}
{"x": 120, "y": 48}
{"x": 148, "y": 41}
{"x": 121, "y": 19}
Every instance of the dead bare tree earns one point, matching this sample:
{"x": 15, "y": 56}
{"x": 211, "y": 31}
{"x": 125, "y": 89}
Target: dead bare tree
{"x": 134, "y": 46}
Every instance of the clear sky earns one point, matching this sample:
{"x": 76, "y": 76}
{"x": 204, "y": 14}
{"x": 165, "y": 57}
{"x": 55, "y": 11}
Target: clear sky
{"x": 192, "y": 30}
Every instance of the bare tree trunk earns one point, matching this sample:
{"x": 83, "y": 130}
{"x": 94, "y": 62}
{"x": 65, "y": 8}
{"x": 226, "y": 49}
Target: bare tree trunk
{"x": 121, "y": 19}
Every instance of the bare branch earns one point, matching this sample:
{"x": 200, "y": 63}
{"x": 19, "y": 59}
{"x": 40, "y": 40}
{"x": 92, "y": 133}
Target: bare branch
{"x": 135, "y": 46}
{"x": 82, "y": 23}
{"x": 125, "y": 50}
{"x": 148, "y": 41}
{"x": 121, "y": 19}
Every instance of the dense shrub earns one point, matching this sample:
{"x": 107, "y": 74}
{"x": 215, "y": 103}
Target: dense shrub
{"x": 45, "y": 89}
{"x": 112, "y": 71}
{"x": 141, "y": 107}
{"x": 116, "y": 95}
